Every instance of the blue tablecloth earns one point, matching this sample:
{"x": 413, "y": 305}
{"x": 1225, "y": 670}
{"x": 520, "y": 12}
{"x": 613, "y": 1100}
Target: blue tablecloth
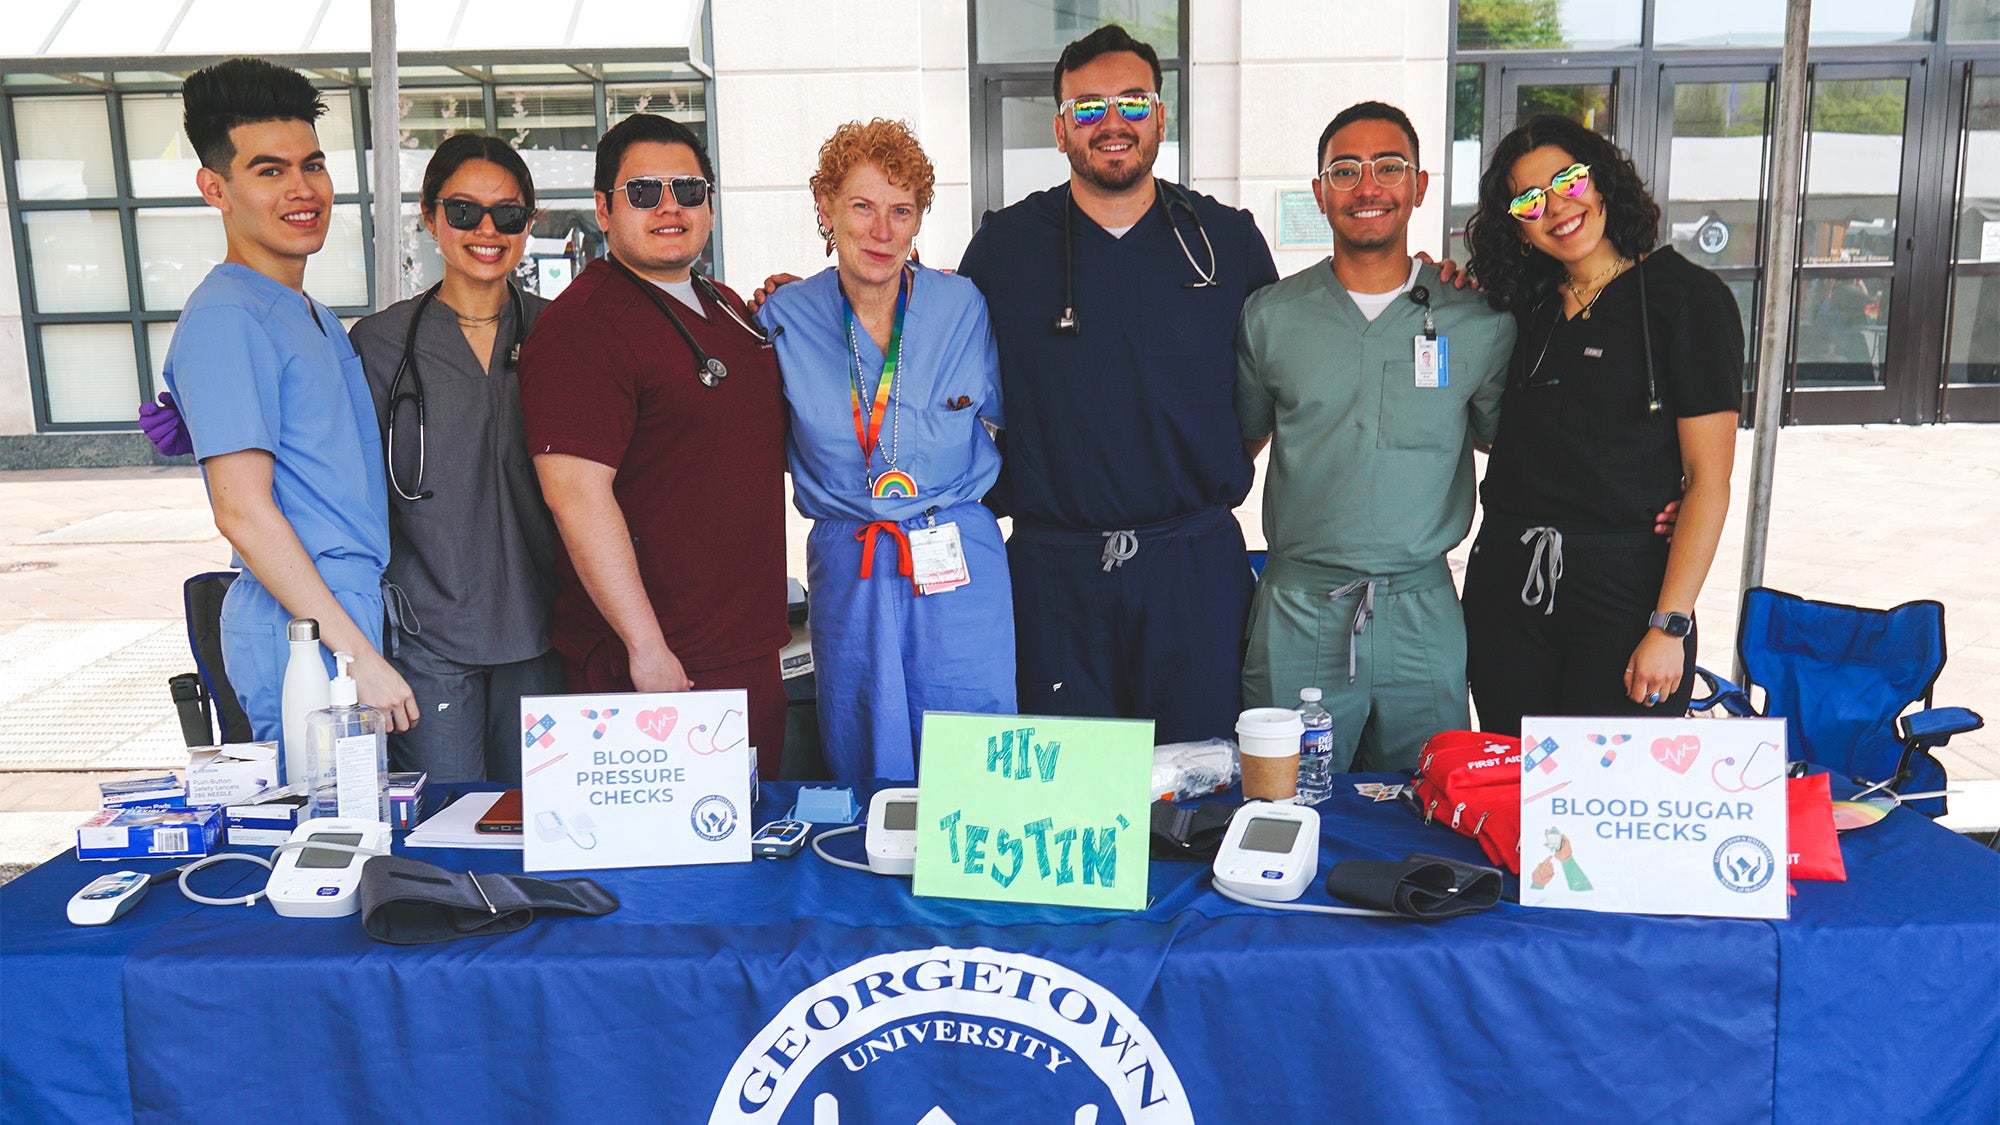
{"x": 796, "y": 991}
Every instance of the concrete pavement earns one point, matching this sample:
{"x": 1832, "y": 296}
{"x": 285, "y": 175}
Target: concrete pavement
{"x": 92, "y": 561}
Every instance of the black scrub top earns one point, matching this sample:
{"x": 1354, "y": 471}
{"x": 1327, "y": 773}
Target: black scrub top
{"x": 1577, "y": 446}
{"x": 476, "y": 560}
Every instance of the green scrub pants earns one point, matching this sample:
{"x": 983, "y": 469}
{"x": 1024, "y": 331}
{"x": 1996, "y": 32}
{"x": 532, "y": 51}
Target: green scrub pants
{"x": 1386, "y": 652}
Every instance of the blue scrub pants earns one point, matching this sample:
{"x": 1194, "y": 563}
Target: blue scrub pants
{"x": 883, "y": 655}
{"x": 255, "y": 650}
{"x": 1159, "y": 636}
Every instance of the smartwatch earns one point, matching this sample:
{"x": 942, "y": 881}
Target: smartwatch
{"x": 1672, "y": 624}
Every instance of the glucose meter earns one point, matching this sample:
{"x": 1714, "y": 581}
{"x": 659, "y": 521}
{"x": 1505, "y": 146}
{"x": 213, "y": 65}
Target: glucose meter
{"x": 1271, "y": 852}
{"x": 311, "y": 882}
{"x": 892, "y": 832}
{"x": 106, "y": 898}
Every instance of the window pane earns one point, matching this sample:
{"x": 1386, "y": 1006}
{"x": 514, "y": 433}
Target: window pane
{"x": 336, "y": 139}
{"x": 685, "y": 102}
{"x": 422, "y": 265}
{"x": 565, "y": 235}
{"x": 1468, "y": 113}
{"x": 1761, "y": 23}
{"x": 177, "y": 248}
{"x": 1717, "y": 175}
{"x": 79, "y": 261}
{"x": 91, "y": 372}
{"x": 1485, "y": 25}
{"x": 1843, "y": 331}
{"x": 158, "y": 336}
{"x": 429, "y": 116}
{"x": 1038, "y": 30}
{"x": 555, "y": 130}
{"x": 1974, "y": 19}
{"x": 1854, "y": 166}
{"x": 1979, "y": 207}
{"x": 163, "y": 163}
{"x": 1588, "y": 103}
{"x": 1974, "y": 355}
{"x": 337, "y": 276}
{"x": 65, "y": 148}
{"x": 1745, "y": 291}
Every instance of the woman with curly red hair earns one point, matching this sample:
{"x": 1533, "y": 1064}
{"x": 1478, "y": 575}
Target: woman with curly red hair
{"x": 893, "y": 382}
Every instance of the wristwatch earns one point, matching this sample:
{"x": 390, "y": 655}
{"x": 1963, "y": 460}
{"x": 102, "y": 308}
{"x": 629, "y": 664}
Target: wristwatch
{"x": 1672, "y": 624}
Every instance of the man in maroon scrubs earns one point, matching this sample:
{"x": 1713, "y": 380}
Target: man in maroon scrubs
{"x": 655, "y": 418}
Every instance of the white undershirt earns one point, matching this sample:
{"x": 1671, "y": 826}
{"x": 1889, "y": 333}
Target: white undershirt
{"x": 1119, "y": 232}
{"x": 1372, "y": 304}
{"x": 683, "y": 291}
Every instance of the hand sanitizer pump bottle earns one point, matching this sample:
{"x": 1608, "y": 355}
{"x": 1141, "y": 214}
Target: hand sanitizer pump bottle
{"x": 305, "y": 691}
{"x": 350, "y": 753}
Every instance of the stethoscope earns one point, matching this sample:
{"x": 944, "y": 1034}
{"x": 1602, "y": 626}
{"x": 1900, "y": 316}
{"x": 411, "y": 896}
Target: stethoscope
{"x": 710, "y": 370}
{"x": 409, "y": 363}
{"x": 1170, "y": 196}
{"x": 1743, "y": 783}
{"x": 1645, "y": 341}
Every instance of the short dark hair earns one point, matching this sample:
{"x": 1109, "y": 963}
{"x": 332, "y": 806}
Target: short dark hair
{"x": 216, "y": 99}
{"x": 1107, "y": 40}
{"x": 1519, "y": 281}
{"x": 1368, "y": 111}
{"x": 639, "y": 128}
{"x": 460, "y": 149}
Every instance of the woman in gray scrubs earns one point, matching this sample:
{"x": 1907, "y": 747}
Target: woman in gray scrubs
{"x": 471, "y": 542}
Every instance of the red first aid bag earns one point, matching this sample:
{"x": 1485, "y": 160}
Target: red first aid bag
{"x": 1470, "y": 782}
{"x": 1814, "y": 845}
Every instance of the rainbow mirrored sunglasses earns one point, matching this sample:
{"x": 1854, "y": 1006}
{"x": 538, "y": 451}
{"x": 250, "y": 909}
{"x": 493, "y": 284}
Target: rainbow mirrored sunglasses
{"x": 1568, "y": 183}
{"x": 1089, "y": 109}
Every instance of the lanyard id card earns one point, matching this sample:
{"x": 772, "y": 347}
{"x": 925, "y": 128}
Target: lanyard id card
{"x": 937, "y": 559}
{"x": 1432, "y": 367}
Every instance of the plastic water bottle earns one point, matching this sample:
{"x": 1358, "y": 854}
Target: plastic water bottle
{"x": 305, "y": 691}
{"x": 350, "y": 754}
{"x": 1315, "y": 749}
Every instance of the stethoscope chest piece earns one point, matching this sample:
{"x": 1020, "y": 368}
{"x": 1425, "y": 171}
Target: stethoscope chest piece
{"x": 713, "y": 372}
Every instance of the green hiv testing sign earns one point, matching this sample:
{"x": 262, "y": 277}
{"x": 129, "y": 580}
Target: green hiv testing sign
{"x": 1015, "y": 808}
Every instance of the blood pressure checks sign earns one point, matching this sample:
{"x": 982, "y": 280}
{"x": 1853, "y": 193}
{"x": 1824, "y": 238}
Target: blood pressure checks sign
{"x": 1033, "y": 809}
{"x": 1654, "y": 816}
{"x": 635, "y": 780}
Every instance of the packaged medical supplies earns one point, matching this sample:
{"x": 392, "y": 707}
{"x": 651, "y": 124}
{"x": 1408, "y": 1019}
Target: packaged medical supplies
{"x": 148, "y": 832}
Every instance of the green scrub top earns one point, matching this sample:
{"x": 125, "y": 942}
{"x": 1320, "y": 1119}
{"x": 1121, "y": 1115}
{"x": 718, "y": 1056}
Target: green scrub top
{"x": 1368, "y": 472}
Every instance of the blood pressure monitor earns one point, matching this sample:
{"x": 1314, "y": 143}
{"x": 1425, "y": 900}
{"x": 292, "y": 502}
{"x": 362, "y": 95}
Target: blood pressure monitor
{"x": 313, "y": 882}
{"x": 1271, "y": 852}
{"x": 892, "y": 832}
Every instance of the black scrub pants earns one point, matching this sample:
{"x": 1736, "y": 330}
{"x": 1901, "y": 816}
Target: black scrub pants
{"x": 1522, "y": 661}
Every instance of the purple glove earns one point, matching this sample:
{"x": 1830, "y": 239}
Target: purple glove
{"x": 164, "y": 428}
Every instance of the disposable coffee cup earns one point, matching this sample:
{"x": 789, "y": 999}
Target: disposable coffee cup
{"x": 1268, "y": 738}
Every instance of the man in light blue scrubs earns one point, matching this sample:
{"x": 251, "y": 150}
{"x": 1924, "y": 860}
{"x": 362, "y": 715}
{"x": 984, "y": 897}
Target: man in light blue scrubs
{"x": 275, "y": 400}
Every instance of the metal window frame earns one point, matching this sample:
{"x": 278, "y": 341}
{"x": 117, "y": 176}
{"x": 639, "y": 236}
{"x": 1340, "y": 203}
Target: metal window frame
{"x": 985, "y": 78}
{"x": 328, "y": 72}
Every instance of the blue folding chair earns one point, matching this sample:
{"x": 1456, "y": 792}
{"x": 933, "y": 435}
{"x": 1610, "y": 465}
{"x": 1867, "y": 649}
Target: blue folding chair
{"x": 1842, "y": 677}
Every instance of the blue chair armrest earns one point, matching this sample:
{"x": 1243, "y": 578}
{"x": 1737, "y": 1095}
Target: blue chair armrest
{"x": 1733, "y": 699}
{"x": 1935, "y": 726}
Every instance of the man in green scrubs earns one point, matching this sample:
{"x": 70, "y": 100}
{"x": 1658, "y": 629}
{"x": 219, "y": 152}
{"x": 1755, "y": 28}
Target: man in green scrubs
{"x": 1372, "y": 380}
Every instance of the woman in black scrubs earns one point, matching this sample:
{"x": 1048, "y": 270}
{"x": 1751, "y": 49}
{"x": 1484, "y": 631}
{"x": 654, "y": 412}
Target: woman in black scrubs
{"x": 1626, "y": 380}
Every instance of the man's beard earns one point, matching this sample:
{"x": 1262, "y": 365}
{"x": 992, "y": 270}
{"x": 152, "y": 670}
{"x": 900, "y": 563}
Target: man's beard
{"x": 1079, "y": 163}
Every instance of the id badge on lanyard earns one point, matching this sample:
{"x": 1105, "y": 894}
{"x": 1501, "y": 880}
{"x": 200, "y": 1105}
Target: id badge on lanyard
{"x": 1433, "y": 366}
{"x": 937, "y": 558}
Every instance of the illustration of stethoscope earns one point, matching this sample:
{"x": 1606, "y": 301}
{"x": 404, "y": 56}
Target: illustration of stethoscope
{"x": 710, "y": 370}
{"x": 397, "y": 396}
{"x": 1170, "y": 197}
{"x": 715, "y": 745}
{"x": 1743, "y": 783}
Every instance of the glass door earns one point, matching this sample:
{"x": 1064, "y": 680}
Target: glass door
{"x": 1971, "y": 358}
{"x": 1590, "y": 95}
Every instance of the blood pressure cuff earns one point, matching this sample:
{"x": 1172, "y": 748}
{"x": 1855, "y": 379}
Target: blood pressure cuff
{"x": 407, "y": 902}
{"x": 1425, "y": 887}
{"x": 1195, "y": 833}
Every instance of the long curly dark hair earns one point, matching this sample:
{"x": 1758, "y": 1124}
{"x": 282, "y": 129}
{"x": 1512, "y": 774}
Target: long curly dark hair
{"x": 1513, "y": 281}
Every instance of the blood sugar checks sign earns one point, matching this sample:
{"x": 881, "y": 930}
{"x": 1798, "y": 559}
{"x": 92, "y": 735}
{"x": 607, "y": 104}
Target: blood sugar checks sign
{"x": 635, "y": 780}
{"x": 1654, "y": 816}
{"x": 1035, "y": 809}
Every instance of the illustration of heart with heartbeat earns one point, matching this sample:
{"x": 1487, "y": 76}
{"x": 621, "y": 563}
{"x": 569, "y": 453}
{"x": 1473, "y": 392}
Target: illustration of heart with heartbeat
{"x": 1677, "y": 754}
{"x": 658, "y": 723}
{"x": 601, "y": 718}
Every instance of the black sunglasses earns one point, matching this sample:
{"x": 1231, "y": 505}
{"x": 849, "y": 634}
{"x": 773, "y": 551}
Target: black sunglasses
{"x": 645, "y": 192}
{"x": 464, "y": 214}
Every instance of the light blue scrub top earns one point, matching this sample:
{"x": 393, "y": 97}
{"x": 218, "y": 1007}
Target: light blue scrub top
{"x": 257, "y": 365}
{"x": 948, "y": 355}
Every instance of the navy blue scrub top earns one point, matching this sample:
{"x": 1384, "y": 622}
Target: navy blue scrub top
{"x": 1133, "y": 421}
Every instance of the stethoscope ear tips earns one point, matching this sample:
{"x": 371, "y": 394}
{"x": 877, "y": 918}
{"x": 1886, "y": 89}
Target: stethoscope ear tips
{"x": 1066, "y": 323}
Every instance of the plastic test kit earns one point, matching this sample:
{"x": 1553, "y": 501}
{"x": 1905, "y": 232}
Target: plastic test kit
{"x": 106, "y": 898}
{"x": 1271, "y": 851}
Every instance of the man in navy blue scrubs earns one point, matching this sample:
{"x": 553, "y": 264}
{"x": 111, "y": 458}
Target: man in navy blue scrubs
{"x": 1114, "y": 299}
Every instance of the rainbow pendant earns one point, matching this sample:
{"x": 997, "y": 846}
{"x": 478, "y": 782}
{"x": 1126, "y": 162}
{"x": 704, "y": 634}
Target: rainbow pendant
{"x": 894, "y": 484}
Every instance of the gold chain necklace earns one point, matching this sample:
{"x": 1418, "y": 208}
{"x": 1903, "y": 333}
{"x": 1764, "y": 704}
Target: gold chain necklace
{"x": 1595, "y": 286}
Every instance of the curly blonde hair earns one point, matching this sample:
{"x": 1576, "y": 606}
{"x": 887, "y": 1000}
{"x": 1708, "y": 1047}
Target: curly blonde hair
{"x": 889, "y": 145}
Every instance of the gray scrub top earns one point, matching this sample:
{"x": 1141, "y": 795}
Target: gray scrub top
{"x": 476, "y": 559}
{"x": 1369, "y": 471}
